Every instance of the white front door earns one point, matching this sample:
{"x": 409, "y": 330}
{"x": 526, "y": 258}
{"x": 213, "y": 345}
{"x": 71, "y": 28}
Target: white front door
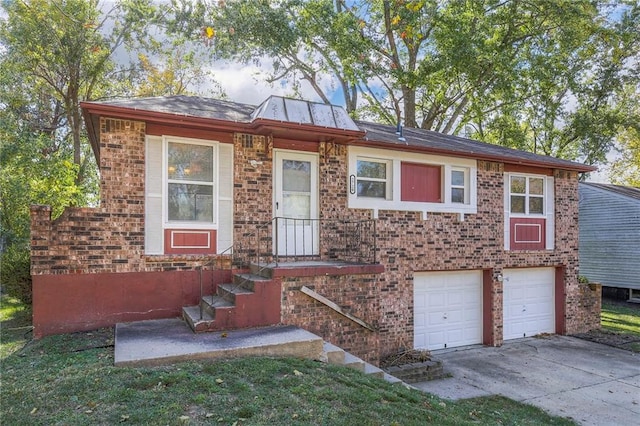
{"x": 295, "y": 203}
{"x": 529, "y": 302}
{"x": 447, "y": 309}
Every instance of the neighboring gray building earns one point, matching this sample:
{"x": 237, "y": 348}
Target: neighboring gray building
{"x": 609, "y": 240}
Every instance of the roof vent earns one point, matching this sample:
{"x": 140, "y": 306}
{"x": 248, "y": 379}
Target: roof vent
{"x": 401, "y": 137}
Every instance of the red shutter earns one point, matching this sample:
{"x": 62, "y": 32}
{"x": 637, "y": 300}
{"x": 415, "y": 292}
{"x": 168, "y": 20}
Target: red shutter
{"x": 420, "y": 182}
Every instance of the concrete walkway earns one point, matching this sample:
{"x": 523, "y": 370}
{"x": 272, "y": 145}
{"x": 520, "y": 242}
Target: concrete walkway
{"x": 592, "y": 383}
{"x": 165, "y": 341}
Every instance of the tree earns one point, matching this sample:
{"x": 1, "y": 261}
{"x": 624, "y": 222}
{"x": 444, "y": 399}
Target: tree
{"x": 540, "y": 75}
{"x": 54, "y": 55}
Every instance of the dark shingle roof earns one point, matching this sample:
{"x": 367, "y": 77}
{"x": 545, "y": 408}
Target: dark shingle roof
{"x": 426, "y": 139}
{"x": 627, "y": 191}
{"x": 415, "y": 139}
{"x": 193, "y": 106}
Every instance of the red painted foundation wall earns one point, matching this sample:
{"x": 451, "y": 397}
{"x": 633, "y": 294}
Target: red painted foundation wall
{"x": 80, "y": 302}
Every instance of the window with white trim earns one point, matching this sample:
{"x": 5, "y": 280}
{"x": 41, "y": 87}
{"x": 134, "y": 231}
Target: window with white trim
{"x": 460, "y": 185}
{"x": 190, "y": 182}
{"x": 526, "y": 195}
{"x": 385, "y": 179}
{"x": 373, "y": 178}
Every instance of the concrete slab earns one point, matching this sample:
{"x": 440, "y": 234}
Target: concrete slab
{"x": 157, "y": 342}
{"x": 592, "y": 383}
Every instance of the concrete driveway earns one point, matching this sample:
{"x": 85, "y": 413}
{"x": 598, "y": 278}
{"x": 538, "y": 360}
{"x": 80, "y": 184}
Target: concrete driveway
{"x": 592, "y": 383}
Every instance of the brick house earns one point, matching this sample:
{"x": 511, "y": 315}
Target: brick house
{"x": 374, "y": 237}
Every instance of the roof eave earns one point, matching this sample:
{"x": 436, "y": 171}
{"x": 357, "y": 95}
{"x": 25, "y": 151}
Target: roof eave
{"x": 577, "y": 167}
{"x": 267, "y": 126}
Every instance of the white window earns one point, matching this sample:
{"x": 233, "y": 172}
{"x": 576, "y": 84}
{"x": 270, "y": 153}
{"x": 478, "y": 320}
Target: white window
{"x": 526, "y": 195}
{"x": 460, "y": 185}
{"x": 190, "y": 183}
{"x": 373, "y": 178}
{"x": 384, "y": 179}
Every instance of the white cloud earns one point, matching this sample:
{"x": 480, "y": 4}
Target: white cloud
{"x": 247, "y": 83}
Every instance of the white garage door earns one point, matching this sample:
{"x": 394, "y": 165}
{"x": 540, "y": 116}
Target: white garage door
{"x": 447, "y": 309}
{"x": 529, "y": 302}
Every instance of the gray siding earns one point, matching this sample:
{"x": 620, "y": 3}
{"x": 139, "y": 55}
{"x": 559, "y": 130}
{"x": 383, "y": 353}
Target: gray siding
{"x": 609, "y": 237}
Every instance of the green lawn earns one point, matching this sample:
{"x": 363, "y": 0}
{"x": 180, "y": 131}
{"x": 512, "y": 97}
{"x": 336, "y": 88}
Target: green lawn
{"x": 622, "y": 319}
{"x": 70, "y": 380}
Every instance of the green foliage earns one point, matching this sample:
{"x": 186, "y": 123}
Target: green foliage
{"x": 542, "y": 76}
{"x": 15, "y": 276}
{"x": 54, "y": 55}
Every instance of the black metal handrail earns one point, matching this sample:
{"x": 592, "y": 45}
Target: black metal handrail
{"x": 292, "y": 240}
{"x": 297, "y": 239}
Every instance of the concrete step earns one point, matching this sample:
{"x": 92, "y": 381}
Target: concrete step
{"x": 391, "y": 379}
{"x": 261, "y": 270}
{"x": 158, "y": 342}
{"x": 372, "y": 370}
{"x": 333, "y": 354}
{"x": 214, "y": 302}
{"x": 248, "y": 281}
{"x": 354, "y": 362}
{"x": 191, "y": 315}
{"x": 229, "y": 292}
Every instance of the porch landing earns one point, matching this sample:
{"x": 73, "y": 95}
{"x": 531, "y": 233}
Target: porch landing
{"x": 157, "y": 342}
{"x": 310, "y": 268}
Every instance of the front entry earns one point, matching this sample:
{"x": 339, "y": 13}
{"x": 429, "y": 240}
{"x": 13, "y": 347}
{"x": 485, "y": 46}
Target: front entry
{"x": 296, "y": 203}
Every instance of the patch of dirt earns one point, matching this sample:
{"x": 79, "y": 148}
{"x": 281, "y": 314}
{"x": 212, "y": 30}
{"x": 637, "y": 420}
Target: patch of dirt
{"x": 405, "y": 357}
{"x": 627, "y": 342}
{"x": 624, "y": 341}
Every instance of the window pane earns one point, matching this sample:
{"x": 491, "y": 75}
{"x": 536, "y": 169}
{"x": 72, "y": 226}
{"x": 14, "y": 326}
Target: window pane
{"x": 296, "y": 176}
{"x": 190, "y": 202}
{"x": 372, "y": 169}
{"x": 296, "y": 206}
{"x": 190, "y": 162}
{"x": 536, "y": 186}
{"x": 518, "y": 184}
{"x": 457, "y": 195}
{"x": 372, "y": 189}
{"x": 517, "y": 204}
{"x": 457, "y": 178}
{"x": 536, "y": 205}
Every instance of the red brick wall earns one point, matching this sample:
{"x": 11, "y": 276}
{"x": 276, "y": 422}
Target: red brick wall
{"x": 103, "y": 248}
{"x": 358, "y": 295}
{"x": 110, "y": 239}
{"x": 252, "y": 194}
{"x": 407, "y": 243}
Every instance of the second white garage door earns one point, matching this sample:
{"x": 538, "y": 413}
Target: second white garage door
{"x": 529, "y": 302}
{"x": 447, "y": 309}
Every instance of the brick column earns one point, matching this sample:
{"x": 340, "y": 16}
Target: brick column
{"x": 40, "y": 237}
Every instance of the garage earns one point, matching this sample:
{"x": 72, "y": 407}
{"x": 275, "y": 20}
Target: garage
{"x": 528, "y": 302}
{"x": 447, "y": 309}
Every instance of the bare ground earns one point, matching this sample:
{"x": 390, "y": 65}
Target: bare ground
{"x": 629, "y": 342}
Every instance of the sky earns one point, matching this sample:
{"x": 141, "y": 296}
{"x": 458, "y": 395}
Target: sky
{"x": 247, "y": 83}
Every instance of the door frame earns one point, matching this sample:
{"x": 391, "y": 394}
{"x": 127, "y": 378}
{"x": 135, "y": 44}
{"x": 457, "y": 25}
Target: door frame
{"x": 278, "y": 156}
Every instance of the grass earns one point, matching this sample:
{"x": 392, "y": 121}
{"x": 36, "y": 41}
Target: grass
{"x": 70, "y": 379}
{"x": 622, "y": 319}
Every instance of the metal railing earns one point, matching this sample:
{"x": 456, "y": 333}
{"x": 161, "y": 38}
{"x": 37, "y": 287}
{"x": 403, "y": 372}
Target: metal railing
{"x": 292, "y": 240}
{"x": 285, "y": 239}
